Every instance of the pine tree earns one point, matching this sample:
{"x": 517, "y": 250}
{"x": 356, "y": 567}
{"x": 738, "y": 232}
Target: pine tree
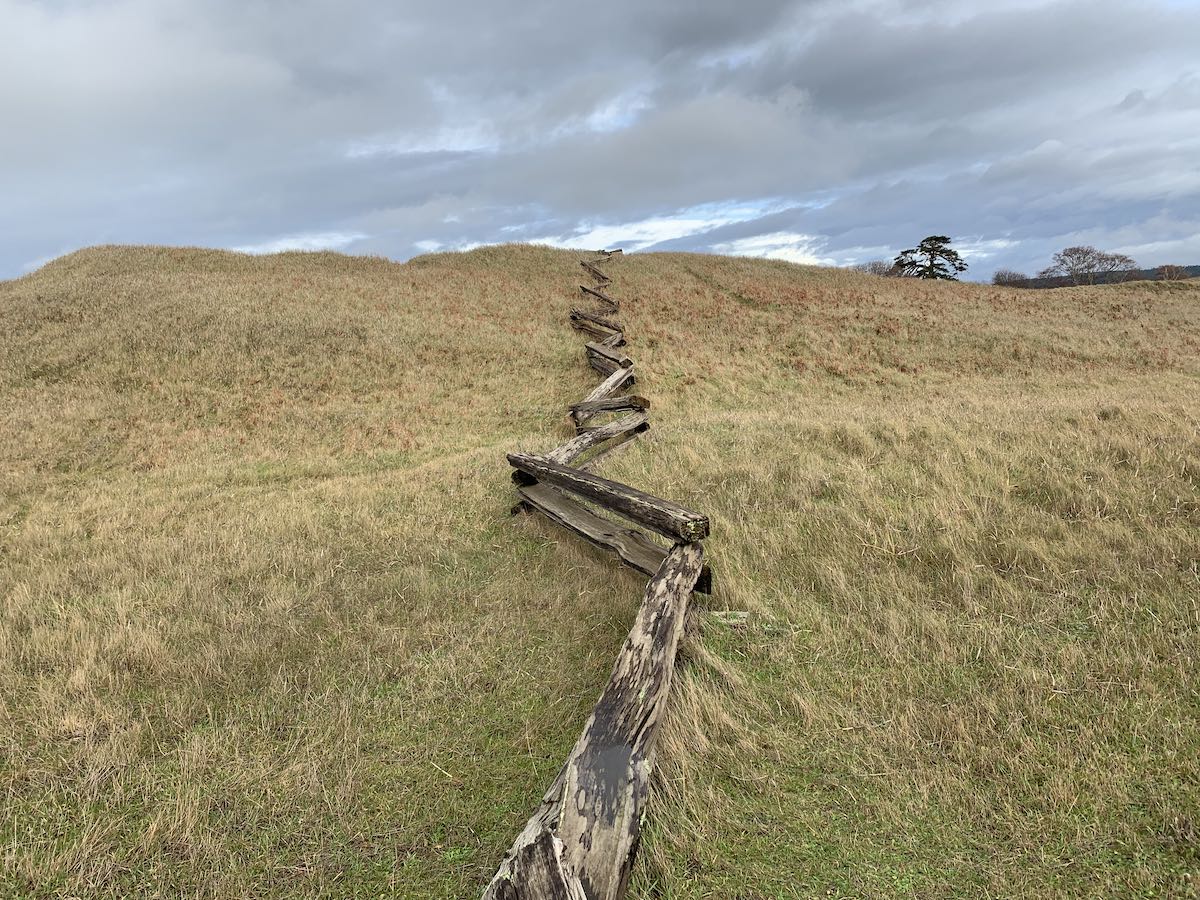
{"x": 932, "y": 258}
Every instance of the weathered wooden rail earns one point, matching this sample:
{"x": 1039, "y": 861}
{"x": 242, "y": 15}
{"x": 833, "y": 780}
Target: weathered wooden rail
{"x": 581, "y": 842}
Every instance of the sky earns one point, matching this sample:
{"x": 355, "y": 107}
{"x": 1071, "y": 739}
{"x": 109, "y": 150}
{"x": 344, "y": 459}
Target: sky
{"x": 818, "y": 132}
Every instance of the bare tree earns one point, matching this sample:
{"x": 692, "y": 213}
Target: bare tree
{"x": 1009, "y": 277}
{"x": 1083, "y": 265}
{"x": 1077, "y": 263}
{"x": 1115, "y": 266}
{"x": 1171, "y": 273}
{"x": 879, "y": 267}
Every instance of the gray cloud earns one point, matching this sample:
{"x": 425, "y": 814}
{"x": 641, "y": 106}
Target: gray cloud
{"x": 824, "y": 130}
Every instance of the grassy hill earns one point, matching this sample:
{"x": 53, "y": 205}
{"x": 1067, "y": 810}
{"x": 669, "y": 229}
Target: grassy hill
{"x": 267, "y": 629}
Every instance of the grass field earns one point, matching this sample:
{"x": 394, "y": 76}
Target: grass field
{"x": 267, "y": 628}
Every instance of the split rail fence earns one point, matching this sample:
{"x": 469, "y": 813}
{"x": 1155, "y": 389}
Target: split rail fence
{"x": 581, "y": 842}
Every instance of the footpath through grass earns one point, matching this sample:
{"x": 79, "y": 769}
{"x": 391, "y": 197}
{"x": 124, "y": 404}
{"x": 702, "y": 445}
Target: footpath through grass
{"x": 266, "y": 628}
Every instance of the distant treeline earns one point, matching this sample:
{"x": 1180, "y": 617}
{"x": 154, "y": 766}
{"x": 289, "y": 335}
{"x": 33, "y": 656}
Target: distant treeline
{"x": 1057, "y": 281}
{"x": 1069, "y": 267}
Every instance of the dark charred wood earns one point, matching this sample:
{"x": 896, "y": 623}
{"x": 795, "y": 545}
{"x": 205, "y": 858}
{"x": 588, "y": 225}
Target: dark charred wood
{"x": 532, "y": 869}
{"x": 651, "y": 512}
{"x": 603, "y": 364}
{"x": 634, "y": 548}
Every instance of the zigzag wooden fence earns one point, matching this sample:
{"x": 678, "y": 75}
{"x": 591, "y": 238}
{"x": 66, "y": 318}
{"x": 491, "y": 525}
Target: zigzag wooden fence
{"x": 581, "y": 842}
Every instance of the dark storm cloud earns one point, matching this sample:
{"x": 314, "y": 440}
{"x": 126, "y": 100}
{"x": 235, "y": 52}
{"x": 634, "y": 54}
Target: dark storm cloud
{"x": 836, "y": 131}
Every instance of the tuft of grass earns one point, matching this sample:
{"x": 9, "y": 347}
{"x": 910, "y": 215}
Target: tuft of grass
{"x": 266, "y": 628}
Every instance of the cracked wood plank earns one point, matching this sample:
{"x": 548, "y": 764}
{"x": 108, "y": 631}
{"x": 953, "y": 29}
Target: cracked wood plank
{"x": 532, "y": 868}
{"x": 582, "y": 841}
{"x": 617, "y": 381}
{"x": 608, "y": 777}
{"x": 581, "y": 443}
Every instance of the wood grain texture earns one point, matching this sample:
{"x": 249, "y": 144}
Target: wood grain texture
{"x": 595, "y": 319}
{"x": 605, "y": 337}
{"x": 617, "y": 381}
{"x": 602, "y": 365}
{"x": 532, "y": 869}
{"x": 581, "y": 842}
{"x": 634, "y": 548}
{"x": 614, "y": 356}
{"x": 608, "y": 774}
{"x": 651, "y": 512}
{"x": 610, "y": 404}
{"x": 577, "y": 446}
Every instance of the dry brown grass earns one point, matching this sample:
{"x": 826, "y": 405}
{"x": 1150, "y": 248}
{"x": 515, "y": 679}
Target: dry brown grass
{"x": 266, "y": 628}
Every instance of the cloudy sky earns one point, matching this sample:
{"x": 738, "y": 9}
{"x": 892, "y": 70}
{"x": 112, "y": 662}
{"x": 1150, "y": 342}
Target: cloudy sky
{"x": 831, "y": 131}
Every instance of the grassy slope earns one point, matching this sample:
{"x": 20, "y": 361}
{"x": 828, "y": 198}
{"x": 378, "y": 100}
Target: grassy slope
{"x": 266, "y": 628}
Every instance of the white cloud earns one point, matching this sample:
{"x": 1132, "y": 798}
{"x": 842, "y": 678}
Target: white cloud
{"x": 317, "y": 240}
{"x": 643, "y": 233}
{"x": 453, "y": 247}
{"x": 634, "y": 235}
{"x": 980, "y": 248}
{"x": 460, "y": 139}
{"x": 797, "y": 248}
